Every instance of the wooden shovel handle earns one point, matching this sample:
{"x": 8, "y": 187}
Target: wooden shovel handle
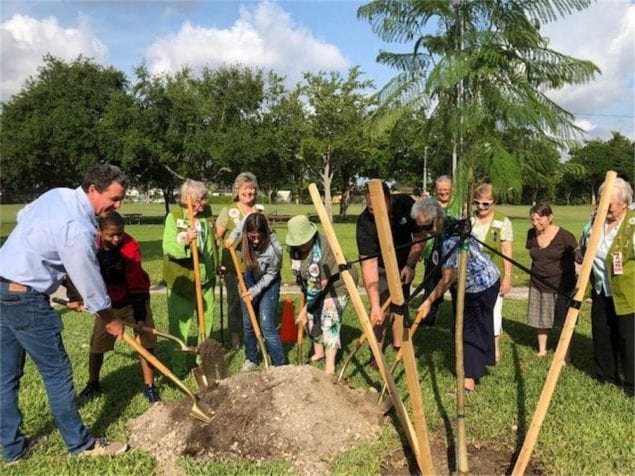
{"x": 157, "y": 364}
{"x": 249, "y": 305}
{"x": 197, "y": 275}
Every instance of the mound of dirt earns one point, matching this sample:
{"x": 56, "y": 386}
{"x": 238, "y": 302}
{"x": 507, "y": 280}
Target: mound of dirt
{"x": 292, "y": 413}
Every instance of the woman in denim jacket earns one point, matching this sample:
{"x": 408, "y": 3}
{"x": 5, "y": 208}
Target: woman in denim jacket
{"x": 261, "y": 253}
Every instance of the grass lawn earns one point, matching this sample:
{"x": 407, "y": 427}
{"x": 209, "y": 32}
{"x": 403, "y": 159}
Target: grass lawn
{"x": 588, "y": 429}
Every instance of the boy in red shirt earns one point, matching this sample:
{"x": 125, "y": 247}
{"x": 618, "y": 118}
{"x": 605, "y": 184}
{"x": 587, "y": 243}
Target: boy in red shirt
{"x": 128, "y": 286}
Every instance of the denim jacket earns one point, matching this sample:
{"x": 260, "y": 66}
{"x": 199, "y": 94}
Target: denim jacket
{"x": 269, "y": 263}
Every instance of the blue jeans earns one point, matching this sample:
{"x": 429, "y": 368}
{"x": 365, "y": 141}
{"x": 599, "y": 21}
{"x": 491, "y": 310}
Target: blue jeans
{"x": 29, "y": 325}
{"x": 266, "y": 309}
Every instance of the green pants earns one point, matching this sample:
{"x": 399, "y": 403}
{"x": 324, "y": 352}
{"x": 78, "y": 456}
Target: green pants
{"x": 181, "y": 313}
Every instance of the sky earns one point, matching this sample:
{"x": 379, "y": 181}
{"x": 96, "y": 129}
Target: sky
{"x": 291, "y": 37}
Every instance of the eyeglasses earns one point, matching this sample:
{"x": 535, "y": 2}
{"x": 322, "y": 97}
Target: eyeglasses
{"x": 478, "y": 203}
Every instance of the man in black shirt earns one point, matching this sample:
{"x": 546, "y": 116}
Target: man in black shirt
{"x": 404, "y": 231}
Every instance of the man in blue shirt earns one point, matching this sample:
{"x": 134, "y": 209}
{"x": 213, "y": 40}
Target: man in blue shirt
{"x": 55, "y": 235}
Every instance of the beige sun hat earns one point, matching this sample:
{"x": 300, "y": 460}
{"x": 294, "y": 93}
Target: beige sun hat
{"x": 300, "y": 230}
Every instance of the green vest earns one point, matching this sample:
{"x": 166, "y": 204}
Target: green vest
{"x": 234, "y": 215}
{"x": 493, "y": 239}
{"x": 178, "y": 266}
{"x": 623, "y": 285}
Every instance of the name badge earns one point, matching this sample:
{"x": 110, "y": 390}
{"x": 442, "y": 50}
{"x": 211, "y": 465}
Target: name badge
{"x": 296, "y": 265}
{"x": 618, "y": 267}
{"x": 182, "y": 224}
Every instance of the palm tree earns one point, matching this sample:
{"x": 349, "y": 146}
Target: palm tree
{"x": 483, "y": 69}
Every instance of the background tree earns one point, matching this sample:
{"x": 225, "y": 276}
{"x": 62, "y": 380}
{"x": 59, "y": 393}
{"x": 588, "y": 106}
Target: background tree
{"x": 49, "y": 133}
{"x": 338, "y": 108}
{"x": 598, "y": 156}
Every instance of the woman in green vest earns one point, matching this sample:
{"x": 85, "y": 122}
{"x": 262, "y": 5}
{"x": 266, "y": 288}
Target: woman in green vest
{"x": 495, "y": 229}
{"x": 613, "y": 291}
{"x": 245, "y": 192}
{"x": 178, "y": 267}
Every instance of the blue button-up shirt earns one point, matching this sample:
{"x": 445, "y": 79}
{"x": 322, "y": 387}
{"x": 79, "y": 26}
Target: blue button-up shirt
{"x": 56, "y": 235}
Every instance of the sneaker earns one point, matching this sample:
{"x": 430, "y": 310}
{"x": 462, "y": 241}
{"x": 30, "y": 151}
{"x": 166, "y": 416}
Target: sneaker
{"x": 248, "y": 366}
{"x": 151, "y": 393}
{"x": 104, "y": 447}
{"x": 91, "y": 390}
{"x": 28, "y": 447}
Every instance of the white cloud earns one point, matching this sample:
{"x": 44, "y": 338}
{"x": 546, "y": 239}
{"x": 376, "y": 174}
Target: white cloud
{"x": 605, "y": 34}
{"x": 25, "y": 40}
{"x": 264, "y": 36}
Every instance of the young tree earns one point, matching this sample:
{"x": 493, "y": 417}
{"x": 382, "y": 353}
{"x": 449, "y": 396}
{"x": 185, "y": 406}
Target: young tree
{"x": 486, "y": 68}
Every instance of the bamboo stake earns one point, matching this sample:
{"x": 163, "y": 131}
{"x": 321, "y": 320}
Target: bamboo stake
{"x": 380, "y": 211}
{"x": 567, "y": 330}
{"x": 197, "y": 276}
{"x": 249, "y": 305}
{"x": 461, "y": 446}
{"x": 364, "y": 321}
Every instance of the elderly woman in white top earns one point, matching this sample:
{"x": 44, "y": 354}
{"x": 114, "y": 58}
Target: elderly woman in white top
{"x": 483, "y": 284}
{"x": 613, "y": 291}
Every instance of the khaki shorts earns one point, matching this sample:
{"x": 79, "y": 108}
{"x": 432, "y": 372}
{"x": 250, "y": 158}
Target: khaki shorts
{"x": 102, "y": 342}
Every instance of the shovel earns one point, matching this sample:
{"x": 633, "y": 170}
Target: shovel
{"x": 249, "y": 306}
{"x": 413, "y": 328}
{"x": 183, "y": 347}
{"x": 358, "y": 345}
{"x": 197, "y": 411}
{"x": 199, "y": 375}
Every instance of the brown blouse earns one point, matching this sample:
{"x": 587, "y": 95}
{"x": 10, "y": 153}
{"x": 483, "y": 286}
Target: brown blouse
{"x": 554, "y": 263}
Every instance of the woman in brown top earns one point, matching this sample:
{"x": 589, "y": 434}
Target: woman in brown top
{"x": 552, "y": 251}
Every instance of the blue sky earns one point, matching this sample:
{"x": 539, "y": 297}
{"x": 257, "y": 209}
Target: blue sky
{"x": 290, "y": 37}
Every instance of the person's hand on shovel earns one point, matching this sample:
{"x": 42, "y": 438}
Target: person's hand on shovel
{"x": 229, "y": 241}
{"x": 115, "y": 328}
{"x": 247, "y": 296}
{"x": 77, "y": 306}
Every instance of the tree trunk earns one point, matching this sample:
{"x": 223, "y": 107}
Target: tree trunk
{"x": 168, "y": 195}
{"x": 327, "y": 176}
{"x": 345, "y": 202}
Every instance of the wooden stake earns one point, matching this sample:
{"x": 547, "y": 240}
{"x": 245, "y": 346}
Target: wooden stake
{"x": 249, "y": 305}
{"x": 197, "y": 276}
{"x": 382, "y": 221}
{"x": 364, "y": 321}
{"x": 567, "y": 330}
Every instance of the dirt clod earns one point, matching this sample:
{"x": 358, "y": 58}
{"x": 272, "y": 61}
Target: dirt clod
{"x": 213, "y": 360}
{"x": 291, "y": 413}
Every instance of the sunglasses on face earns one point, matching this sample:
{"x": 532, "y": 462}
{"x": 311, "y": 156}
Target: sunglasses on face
{"x": 479, "y": 203}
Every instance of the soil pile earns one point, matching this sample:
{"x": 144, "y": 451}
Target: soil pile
{"x": 293, "y": 413}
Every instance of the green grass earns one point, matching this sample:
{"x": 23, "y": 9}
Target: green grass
{"x": 588, "y": 428}
{"x": 149, "y": 233}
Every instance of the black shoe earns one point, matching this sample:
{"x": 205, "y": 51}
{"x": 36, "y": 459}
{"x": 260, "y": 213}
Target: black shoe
{"x": 150, "y": 392}
{"x": 91, "y": 390}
